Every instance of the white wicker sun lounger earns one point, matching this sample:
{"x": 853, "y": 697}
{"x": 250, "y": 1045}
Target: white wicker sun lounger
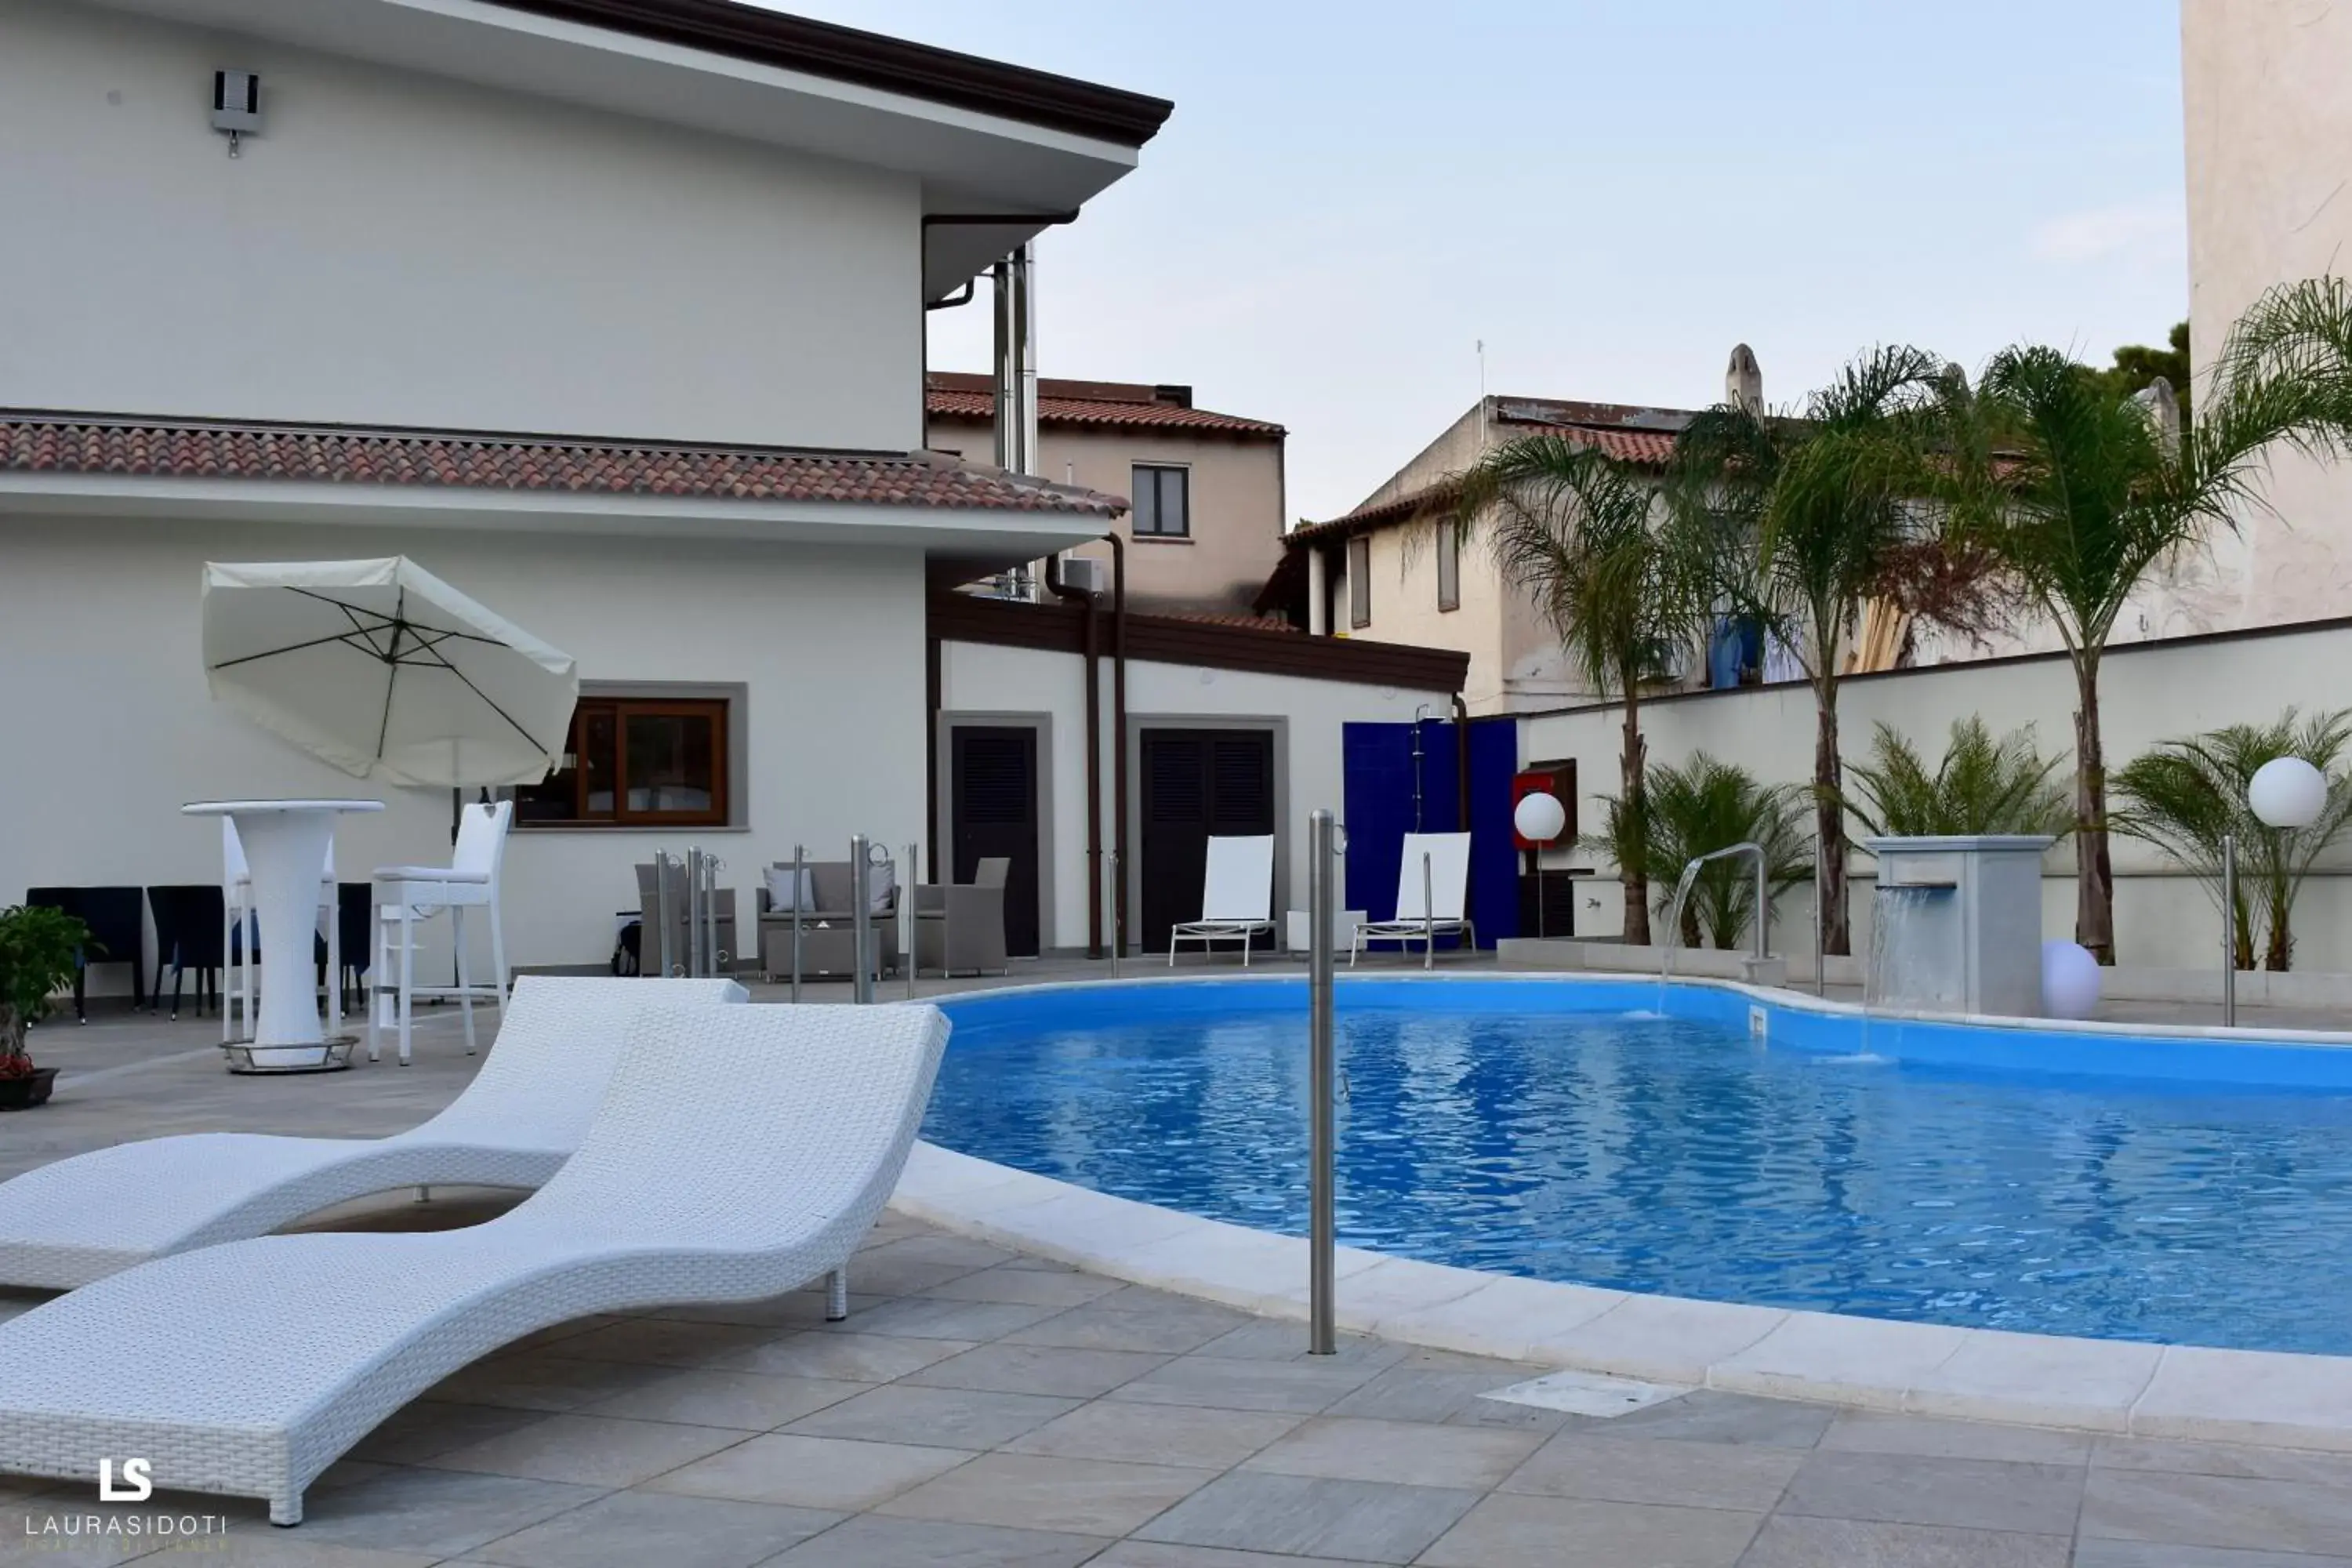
{"x": 80, "y": 1219}
{"x": 740, "y": 1153}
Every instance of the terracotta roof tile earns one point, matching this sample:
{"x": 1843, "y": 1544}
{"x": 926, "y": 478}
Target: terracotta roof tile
{"x": 951, "y": 394}
{"x": 42, "y": 442}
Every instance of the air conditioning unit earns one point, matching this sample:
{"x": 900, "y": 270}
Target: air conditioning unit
{"x": 1086, "y": 574}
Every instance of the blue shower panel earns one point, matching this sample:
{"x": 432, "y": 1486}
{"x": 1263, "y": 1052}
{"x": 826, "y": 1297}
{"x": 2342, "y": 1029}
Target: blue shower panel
{"x": 1378, "y": 776}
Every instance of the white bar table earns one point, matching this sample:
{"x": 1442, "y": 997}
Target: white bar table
{"x": 286, "y": 842}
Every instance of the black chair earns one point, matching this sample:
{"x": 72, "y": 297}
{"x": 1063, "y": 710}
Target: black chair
{"x": 118, "y": 928}
{"x": 189, "y": 922}
{"x": 355, "y": 932}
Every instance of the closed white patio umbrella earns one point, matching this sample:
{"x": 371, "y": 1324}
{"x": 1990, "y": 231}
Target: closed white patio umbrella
{"x": 386, "y": 671}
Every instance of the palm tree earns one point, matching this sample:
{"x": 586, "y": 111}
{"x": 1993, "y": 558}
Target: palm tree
{"x": 2080, "y": 495}
{"x": 1982, "y": 785}
{"x": 1702, "y": 806}
{"x": 1804, "y": 518}
{"x": 1582, "y": 535}
{"x": 2185, "y": 795}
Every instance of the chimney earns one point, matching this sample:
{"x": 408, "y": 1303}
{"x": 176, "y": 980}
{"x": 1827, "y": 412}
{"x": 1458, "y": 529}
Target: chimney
{"x": 1743, "y": 380}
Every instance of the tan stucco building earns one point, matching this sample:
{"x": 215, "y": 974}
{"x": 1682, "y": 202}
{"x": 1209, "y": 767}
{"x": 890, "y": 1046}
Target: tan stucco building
{"x": 1391, "y": 571}
{"x": 1206, "y": 525}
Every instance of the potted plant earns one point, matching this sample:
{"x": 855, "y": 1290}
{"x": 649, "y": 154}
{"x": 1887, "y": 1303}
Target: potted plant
{"x": 40, "y": 948}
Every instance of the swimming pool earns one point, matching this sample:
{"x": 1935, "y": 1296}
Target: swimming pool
{"x": 2177, "y": 1189}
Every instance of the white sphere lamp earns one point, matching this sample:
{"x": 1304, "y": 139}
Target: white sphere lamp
{"x": 2070, "y": 980}
{"x": 2288, "y": 791}
{"x": 1539, "y": 817}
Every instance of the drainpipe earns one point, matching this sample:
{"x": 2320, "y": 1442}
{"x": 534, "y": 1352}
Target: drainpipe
{"x": 1462, "y": 758}
{"x": 932, "y": 684}
{"x": 1016, "y": 367}
{"x": 1118, "y": 737}
{"x": 1094, "y": 752}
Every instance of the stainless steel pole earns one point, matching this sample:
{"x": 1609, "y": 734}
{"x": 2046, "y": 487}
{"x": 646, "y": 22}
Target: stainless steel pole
{"x": 800, "y": 887}
{"x": 1763, "y": 911}
{"x": 907, "y": 922}
{"x": 1117, "y": 927}
{"x": 714, "y": 960}
{"x": 1322, "y": 1336}
{"x": 1428, "y": 919}
{"x": 661, "y": 916}
{"x": 2229, "y": 931}
{"x": 861, "y": 922}
{"x": 694, "y": 911}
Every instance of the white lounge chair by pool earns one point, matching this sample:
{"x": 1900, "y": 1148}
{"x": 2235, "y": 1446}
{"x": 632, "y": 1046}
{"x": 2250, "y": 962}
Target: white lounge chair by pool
{"x": 80, "y": 1219}
{"x": 1432, "y": 896}
{"x": 1236, "y": 897}
{"x": 741, "y": 1152}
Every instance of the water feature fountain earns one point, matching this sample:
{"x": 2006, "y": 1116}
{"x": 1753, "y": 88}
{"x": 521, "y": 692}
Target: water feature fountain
{"x": 1957, "y": 925}
{"x": 1760, "y": 969}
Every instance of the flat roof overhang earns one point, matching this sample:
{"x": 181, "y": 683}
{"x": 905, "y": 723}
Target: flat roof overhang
{"x": 983, "y": 137}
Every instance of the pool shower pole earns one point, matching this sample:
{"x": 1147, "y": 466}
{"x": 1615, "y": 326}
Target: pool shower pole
{"x": 2229, "y": 931}
{"x": 1322, "y": 842}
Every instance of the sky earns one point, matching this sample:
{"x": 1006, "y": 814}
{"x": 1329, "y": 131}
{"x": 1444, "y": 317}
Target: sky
{"x": 1608, "y": 193}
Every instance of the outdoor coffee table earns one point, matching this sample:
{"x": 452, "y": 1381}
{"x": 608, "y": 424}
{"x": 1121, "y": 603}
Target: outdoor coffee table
{"x": 286, "y": 844}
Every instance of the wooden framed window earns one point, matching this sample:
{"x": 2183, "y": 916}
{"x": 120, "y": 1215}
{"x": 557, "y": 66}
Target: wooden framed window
{"x": 1360, "y": 582}
{"x": 636, "y": 763}
{"x": 1449, "y": 564}
{"x": 1163, "y": 502}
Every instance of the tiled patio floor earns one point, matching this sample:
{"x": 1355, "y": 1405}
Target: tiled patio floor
{"x": 985, "y": 1410}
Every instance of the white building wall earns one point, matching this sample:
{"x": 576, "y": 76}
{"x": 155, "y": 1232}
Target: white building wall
{"x": 2266, "y": 119}
{"x": 2148, "y": 692}
{"x": 985, "y": 678}
{"x": 99, "y": 636}
{"x": 401, "y": 249}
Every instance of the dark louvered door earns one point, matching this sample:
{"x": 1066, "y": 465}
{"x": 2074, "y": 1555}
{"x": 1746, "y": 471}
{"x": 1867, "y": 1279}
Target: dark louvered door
{"x": 995, "y": 812}
{"x": 1196, "y": 783}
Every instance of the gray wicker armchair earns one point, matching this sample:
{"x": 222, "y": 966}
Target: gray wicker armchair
{"x": 960, "y": 926}
{"x": 827, "y": 939}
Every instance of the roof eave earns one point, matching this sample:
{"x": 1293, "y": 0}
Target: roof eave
{"x": 1014, "y": 533}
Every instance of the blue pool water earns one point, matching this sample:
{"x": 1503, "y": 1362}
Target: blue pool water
{"x": 2179, "y": 1190}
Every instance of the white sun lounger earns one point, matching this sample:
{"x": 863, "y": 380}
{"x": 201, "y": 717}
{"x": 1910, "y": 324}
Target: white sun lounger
{"x": 1236, "y": 896}
{"x": 1432, "y": 896}
{"x": 80, "y": 1219}
{"x": 740, "y": 1153}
